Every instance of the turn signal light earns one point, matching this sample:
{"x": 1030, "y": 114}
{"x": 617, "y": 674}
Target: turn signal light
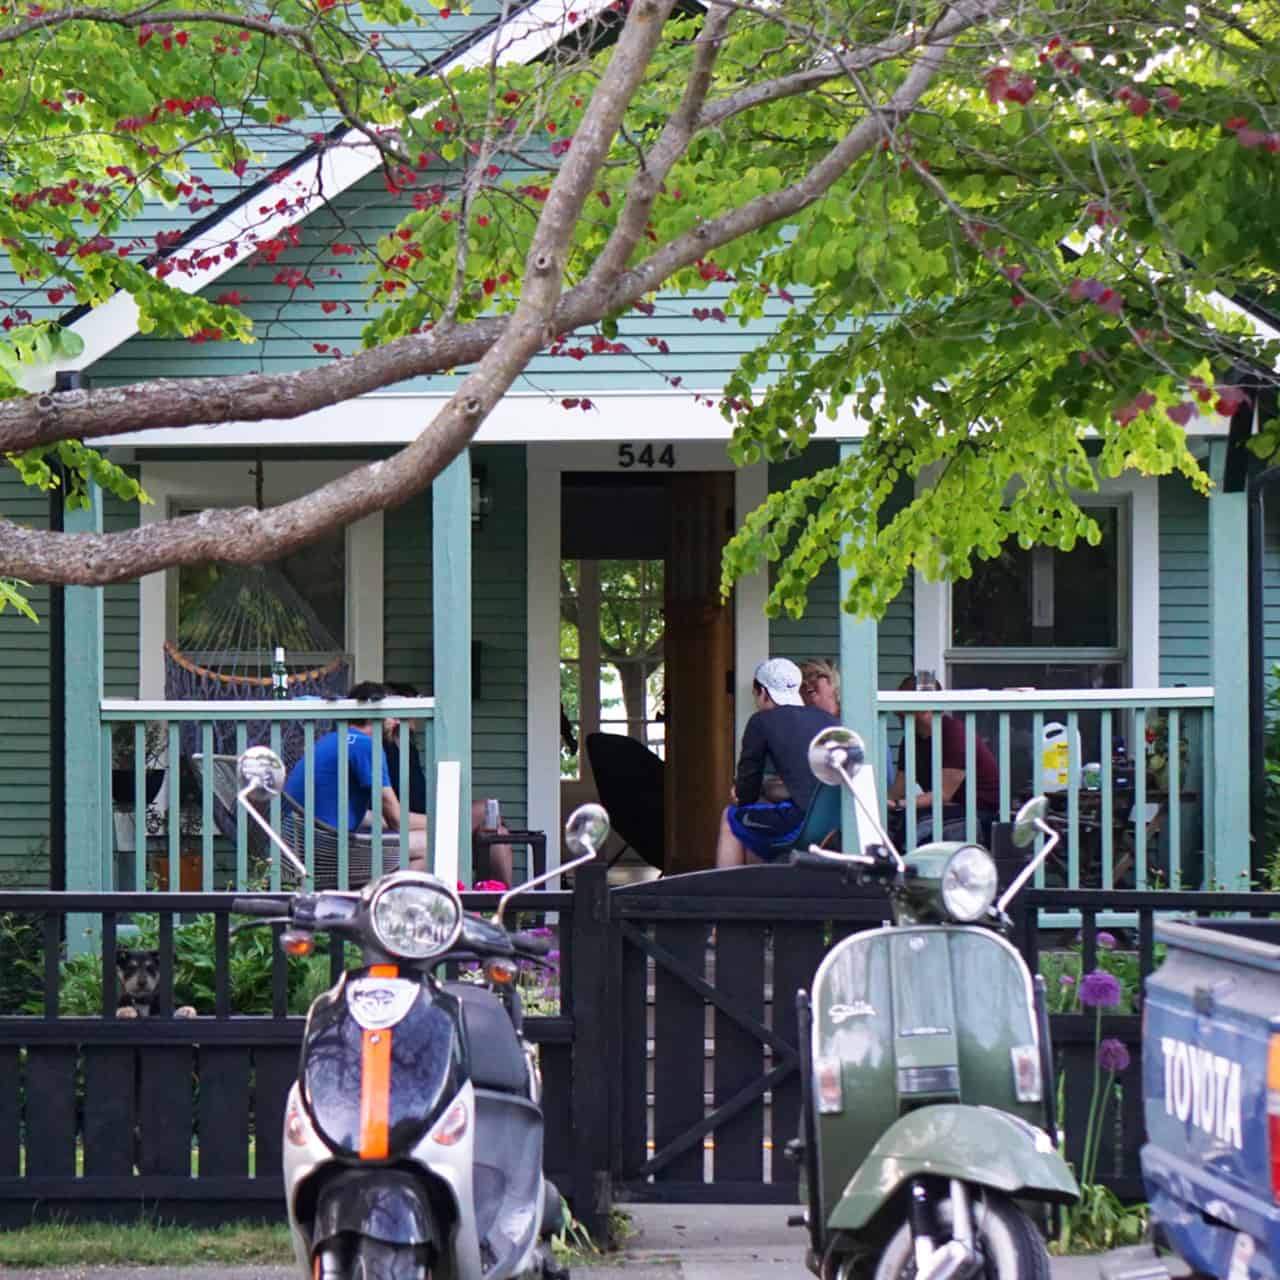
{"x": 297, "y": 1128}
{"x": 501, "y": 970}
{"x": 1027, "y": 1086}
{"x": 452, "y": 1129}
{"x": 1273, "y": 1114}
{"x": 828, "y": 1081}
{"x": 295, "y": 943}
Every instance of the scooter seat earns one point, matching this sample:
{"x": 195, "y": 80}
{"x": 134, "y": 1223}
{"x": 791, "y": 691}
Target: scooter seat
{"x": 497, "y": 1061}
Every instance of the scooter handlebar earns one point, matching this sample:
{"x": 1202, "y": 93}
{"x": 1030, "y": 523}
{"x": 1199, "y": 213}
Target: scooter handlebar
{"x": 259, "y": 907}
{"x": 530, "y": 943}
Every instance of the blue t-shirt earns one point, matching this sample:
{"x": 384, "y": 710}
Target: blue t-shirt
{"x": 359, "y": 778}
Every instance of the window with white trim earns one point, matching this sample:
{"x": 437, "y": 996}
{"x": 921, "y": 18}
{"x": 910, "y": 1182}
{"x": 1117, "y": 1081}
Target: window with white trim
{"x": 1045, "y": 618}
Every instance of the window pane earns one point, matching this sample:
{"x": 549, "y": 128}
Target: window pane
{"x": 1041, "y": 598}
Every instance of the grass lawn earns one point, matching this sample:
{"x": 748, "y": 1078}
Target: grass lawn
{"x": 67, "y": 1244}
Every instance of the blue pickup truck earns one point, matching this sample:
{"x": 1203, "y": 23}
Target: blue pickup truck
{"x": 1211, "y": 1095}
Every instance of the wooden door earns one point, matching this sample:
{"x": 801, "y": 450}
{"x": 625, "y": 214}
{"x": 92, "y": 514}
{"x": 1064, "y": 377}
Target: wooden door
{"x": 699, "y": 669}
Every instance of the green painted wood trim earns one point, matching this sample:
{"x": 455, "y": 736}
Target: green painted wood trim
{"x": 1227, "y": 855}
{"x": 949, "y": 700}
{"x": 451, "y": 635}
{"x": 89, "y": 832}
{"x": 859, "y": 679}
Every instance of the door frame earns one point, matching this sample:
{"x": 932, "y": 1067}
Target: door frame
{"x": 545, "y": 464}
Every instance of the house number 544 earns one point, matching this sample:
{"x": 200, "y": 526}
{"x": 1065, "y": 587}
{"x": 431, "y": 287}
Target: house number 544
{"x": 646, "y": 456}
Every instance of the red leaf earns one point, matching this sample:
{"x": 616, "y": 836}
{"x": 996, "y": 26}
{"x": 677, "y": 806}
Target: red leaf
{"x": 56, "y": 295}
{"x": 1236, "y": 122}
{"x": 1181, "y": 413}
{"x": 321, "y": 347}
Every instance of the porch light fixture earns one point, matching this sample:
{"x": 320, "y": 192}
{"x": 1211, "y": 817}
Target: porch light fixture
{"x": 480, "y": 499}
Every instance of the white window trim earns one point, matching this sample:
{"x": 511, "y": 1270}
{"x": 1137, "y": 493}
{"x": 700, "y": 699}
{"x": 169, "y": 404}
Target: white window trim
{"x": 1140, "y": 581}
{"x": 546, "y": 463}
{"x": 225, "y": 484}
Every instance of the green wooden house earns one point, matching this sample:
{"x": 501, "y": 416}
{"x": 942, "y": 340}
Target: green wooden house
{"x": 493, "y": 593}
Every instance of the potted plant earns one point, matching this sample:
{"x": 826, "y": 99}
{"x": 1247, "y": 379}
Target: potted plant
{"x": 1158, "y": 752}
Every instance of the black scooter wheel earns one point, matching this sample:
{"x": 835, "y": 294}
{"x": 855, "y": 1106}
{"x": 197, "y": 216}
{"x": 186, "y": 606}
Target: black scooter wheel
{"x": 1012, "y": 1248}
{"x": 377, "y": 1260}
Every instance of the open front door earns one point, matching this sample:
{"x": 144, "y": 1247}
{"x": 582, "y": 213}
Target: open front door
{"x": 699, "y": 669}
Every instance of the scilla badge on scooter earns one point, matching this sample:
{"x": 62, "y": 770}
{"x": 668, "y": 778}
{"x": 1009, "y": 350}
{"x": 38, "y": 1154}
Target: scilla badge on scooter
{"x": 413, "y": 1136}
{"x": 926, "y": 1067}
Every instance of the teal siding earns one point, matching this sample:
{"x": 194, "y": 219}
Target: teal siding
{"x": 1184, "y": 584}
{"x": 24, "y": 713}
{"x": 817, "y": 633}
{"x": 498, "y": 723}
{"x": 1271, "y": 582}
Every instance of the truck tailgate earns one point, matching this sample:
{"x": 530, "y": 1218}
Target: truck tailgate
{"x": 1208, "y": 1016}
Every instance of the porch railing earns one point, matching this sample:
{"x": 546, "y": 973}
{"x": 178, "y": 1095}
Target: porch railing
{"x": 1138, "y": 820}
{"x": 170, "y": 770}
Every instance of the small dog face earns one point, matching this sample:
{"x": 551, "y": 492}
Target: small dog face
{"x": 139, "y": 974}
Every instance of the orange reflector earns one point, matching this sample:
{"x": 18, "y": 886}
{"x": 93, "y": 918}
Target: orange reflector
{"x": 501, "y": 971}
{"x": 297, "y": 944}
{"x": 375, "y": 1093}
{"x": 1273, "y": 1114}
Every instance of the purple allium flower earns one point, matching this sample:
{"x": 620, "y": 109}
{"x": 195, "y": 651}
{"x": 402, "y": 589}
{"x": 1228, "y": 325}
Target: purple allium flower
{"x": 1105, "y": 940}
{"x": 1099, "y": 990}
{"x": 1113, "y": 1056}
{"x": 1066, "y": 980}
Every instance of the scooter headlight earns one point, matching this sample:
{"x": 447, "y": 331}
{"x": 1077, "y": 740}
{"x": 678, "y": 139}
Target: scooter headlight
{"x": 969, "y": 883}
{"x": 415, "y": 916}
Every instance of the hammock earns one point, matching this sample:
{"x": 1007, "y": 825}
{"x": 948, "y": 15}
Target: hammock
{"x": 224, "y": 651}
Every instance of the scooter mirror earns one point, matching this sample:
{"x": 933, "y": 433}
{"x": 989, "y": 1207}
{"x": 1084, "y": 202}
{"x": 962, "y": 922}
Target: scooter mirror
{"x": 586, "y": 830}
{"x": 835, "y": 749}
{"x": 262, "y": 770}
{"x": 1024, "y": 822}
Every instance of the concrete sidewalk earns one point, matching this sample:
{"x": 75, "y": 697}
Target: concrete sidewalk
{"x": 669, "y": 1242}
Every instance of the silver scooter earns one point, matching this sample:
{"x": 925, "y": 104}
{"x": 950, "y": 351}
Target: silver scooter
{"x": 413, "y": 1135}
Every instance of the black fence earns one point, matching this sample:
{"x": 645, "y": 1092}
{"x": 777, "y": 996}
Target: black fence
{"x": 181, "y": 1116}
{"x": 669, "y": 1050}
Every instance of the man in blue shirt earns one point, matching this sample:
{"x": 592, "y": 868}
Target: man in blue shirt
{"x": 360, "y": 781}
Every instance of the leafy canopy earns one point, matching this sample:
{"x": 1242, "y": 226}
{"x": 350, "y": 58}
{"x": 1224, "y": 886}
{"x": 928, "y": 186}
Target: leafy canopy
{"x": 1004, "y": 234}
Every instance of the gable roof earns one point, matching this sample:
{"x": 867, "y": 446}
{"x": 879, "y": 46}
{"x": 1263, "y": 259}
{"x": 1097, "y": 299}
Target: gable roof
{"x": 306, "y": 182}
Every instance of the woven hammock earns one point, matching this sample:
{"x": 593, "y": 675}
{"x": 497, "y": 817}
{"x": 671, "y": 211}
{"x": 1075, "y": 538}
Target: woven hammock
{"x": 224, "y": 651}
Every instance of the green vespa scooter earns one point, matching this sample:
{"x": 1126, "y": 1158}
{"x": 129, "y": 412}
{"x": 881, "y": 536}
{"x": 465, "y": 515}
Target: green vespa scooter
{"x": 928, "y": 1125}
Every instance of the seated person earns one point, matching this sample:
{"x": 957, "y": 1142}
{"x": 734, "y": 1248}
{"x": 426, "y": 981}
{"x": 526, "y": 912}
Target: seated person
{"x": 497, "y": 857}
{"x": 780, "y": 731}
{"x": 820, "y": 687}
{"x": 361, "y": 785}
{"x": 951, "y": 731}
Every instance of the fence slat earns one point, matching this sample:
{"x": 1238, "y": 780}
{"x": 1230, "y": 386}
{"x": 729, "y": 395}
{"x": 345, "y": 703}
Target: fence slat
{"x": 678, "y": 1067}
{"x": 51, "y": 1110}
{"x": 109, "y": 1088}
{"x": 222, "y": 1124}
{"x": 739, "y": 1055}
{"x": 164, "y": 1110}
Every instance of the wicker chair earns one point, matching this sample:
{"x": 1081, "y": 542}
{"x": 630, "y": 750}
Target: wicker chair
{"x": 325, "y": 848}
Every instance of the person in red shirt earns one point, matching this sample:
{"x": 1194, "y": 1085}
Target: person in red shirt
{"x": 954, "y": 767}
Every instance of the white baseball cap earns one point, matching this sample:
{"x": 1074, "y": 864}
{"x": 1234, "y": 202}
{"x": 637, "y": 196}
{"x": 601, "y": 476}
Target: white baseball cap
{"x": 780, "y": 678}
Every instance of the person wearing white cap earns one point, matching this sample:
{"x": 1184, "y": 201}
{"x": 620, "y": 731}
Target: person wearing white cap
{"x": 779, "y": 733}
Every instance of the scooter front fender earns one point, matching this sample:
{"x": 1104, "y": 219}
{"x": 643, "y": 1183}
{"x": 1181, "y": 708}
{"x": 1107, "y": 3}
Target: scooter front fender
{"x": 384, "y": 1204}
{"x": 977, "y": 1145}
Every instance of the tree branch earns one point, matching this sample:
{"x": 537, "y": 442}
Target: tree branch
{"x": 247, "y": 536}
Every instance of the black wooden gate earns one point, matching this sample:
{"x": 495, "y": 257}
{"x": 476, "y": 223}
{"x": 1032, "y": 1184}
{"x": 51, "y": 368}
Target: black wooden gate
{"x": 707, "y": 967}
